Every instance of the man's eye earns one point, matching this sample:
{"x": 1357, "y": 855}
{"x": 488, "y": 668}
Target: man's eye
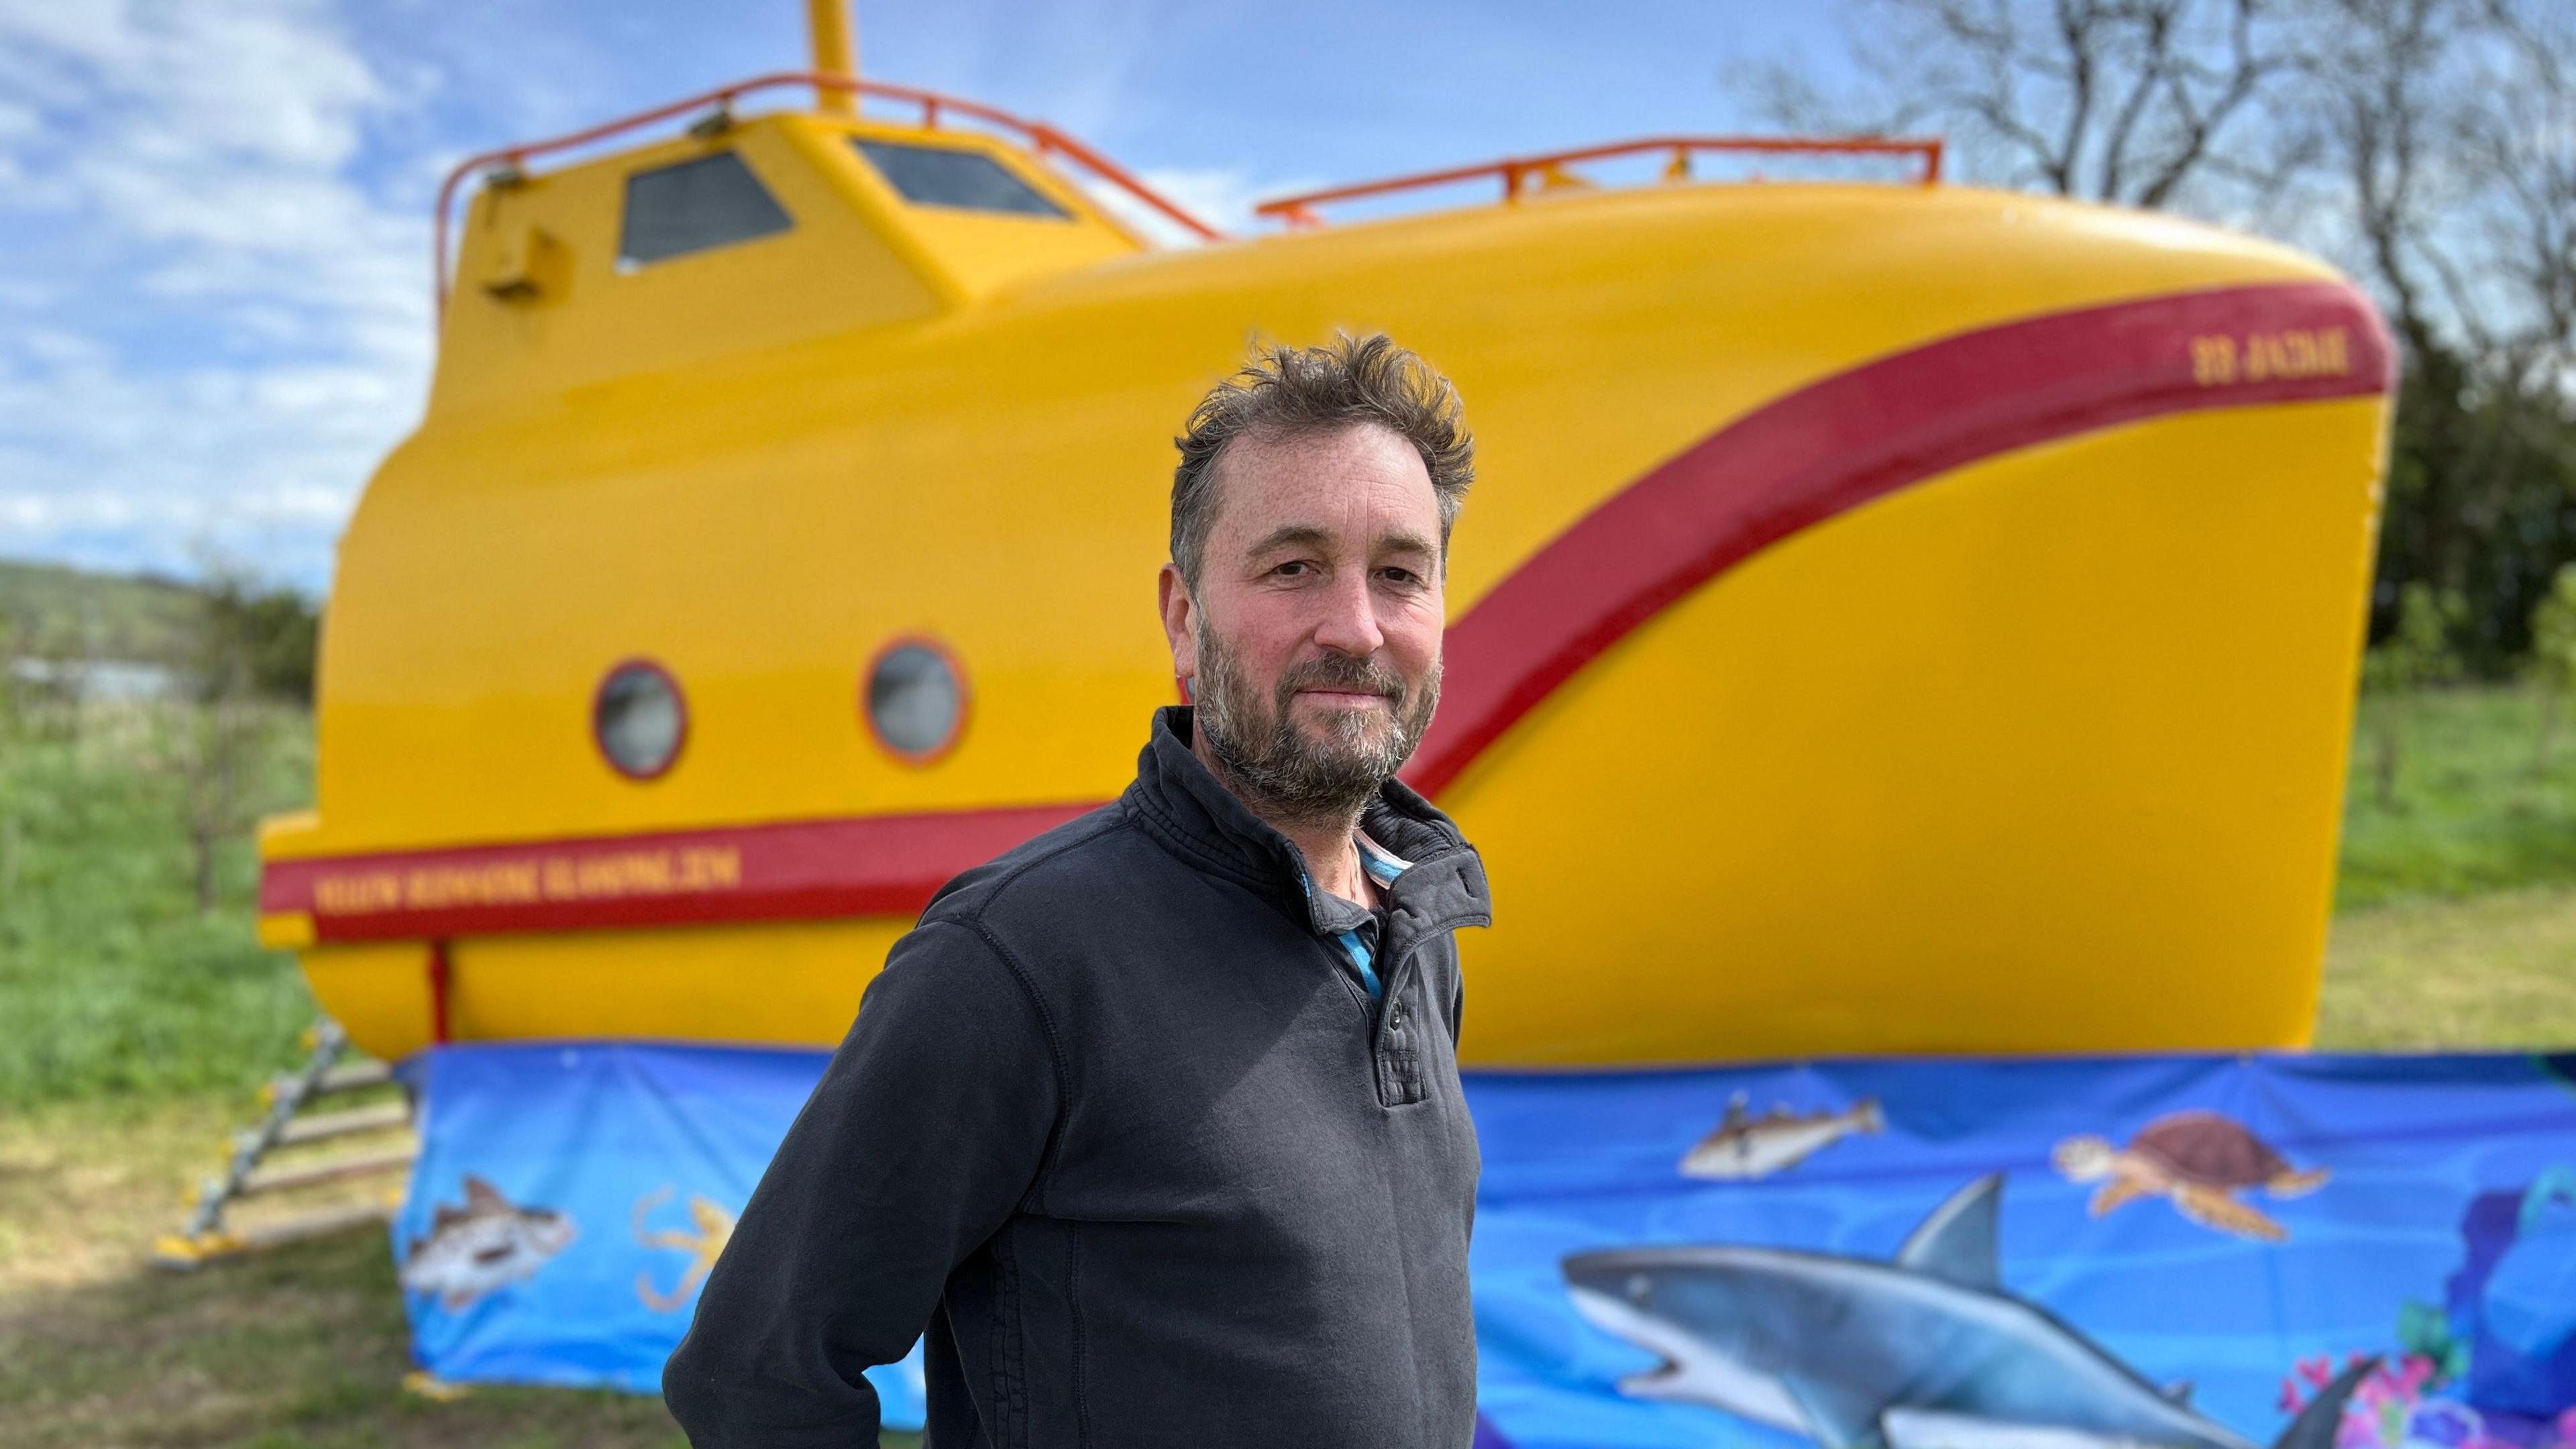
{"x": 1294, "y": 568}
{"x": 1402, "y": 576}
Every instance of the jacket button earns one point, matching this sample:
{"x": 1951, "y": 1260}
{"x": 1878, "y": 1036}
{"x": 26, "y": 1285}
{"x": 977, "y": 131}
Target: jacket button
{"x": 1395, "y": 1016}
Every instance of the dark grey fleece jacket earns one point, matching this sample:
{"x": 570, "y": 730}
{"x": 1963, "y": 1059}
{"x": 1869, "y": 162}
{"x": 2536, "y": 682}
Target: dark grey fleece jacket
{"x": 1120, "y": 1131}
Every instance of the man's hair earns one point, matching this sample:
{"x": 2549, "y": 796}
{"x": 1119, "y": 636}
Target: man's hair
{"x": 1298, "y": 391}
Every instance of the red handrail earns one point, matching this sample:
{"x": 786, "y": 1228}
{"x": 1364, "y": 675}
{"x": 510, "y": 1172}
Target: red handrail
{"x": 1042, "y": 138}
{"x": 1515, "y": 171}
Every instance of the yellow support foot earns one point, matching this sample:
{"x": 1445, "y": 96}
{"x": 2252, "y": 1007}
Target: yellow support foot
{"x": 433, "y": 1388}
{"x": 176, "y": 1250}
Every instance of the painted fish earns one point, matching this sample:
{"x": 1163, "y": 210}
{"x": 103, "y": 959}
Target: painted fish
{"x": 487, "y": 1244}
{"x": 1926, "y": 1352}
{"x": 714, "y": 1230}
{"x": 1745, "y": 1146}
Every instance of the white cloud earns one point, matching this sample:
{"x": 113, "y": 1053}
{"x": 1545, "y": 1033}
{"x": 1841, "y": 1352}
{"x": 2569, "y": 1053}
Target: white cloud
{"x": 1221, "y": 197}
{"x": 59, "y": 348}
{"x": 219, "y": 325}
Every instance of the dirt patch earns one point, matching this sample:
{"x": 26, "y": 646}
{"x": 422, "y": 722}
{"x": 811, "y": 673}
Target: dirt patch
{"x": 300, "y": 1346}
{"x": 304, "y": 1345}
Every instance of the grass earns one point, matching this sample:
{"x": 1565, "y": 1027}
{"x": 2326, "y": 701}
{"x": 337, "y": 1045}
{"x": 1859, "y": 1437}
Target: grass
{"x": 305, "y": 1346}
{"x": 2455, "y": 920}
{"x": 135, "y": 1025}
{"x": 2495, "y": 972}
{"x": 112, "y": 980}
{"x": 2473, "y": 811}
{"x": 300, "y": 1348}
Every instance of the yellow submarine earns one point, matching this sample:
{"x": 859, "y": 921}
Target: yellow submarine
{"x": 1892, "y": 617}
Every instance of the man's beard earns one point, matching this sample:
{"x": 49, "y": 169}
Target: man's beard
{"x": 1289, "y": 774}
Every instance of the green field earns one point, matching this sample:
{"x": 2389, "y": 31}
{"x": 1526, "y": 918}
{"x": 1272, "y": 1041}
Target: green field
{"x": 112, "y": 981}
{"x": 2474, "y": 811}
{"x": 137, "y": 1024}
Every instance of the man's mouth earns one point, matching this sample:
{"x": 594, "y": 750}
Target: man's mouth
{"x": 1344, "y": 698}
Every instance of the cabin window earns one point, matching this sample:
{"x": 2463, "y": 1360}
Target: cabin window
{"x": 915, "y": 700}
{"x": 967, "y": 180}
{"x": 713, "y": 201}
{"x": 639, "y": 719}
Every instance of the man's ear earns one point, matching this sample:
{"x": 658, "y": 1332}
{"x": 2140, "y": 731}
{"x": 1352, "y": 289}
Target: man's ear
{"x": 1180, "y": 620}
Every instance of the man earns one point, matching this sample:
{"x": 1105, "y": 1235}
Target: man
{"x": 1154, "y": 1123}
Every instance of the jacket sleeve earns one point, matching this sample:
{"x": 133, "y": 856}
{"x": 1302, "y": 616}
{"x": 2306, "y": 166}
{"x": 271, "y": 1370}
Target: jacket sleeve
{"x": 928, "y": 1128}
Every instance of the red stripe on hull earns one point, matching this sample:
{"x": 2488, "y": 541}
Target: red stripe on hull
{"x": 1853, "y": 437}
{"x": 1823, "y": 450}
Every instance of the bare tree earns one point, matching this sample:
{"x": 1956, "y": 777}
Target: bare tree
{"x": 218, "y": 723}
{"x": 2127, "y": 101}
{"x": 2447, "y": 130}
{"x": 2427, "y": 145}
{"x": 212, "y": 743}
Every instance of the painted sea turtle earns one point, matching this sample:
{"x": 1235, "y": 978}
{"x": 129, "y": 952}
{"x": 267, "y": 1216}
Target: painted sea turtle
{"x": 2201, "y": 1160}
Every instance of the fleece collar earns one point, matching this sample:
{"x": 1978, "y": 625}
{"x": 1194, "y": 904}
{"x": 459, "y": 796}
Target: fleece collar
{"x": 1191, "y": 813}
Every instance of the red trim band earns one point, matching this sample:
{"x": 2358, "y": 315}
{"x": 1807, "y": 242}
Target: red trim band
{"x": 879, "y": 865}
{"x": 1817, "y": 452}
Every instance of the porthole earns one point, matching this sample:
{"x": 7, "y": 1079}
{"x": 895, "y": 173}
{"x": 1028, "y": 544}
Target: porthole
{"x": 639, "y": 719}
{"x": 914, "y": 699}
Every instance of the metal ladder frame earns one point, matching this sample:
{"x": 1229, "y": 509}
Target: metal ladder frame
{"x": 245, "y": 1174}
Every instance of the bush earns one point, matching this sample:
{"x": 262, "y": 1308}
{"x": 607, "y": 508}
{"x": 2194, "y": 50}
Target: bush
{"x": 2416, "y": 657}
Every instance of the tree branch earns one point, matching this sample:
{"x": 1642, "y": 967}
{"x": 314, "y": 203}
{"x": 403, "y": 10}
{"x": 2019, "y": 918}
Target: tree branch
{"x": 2155, "y": 65}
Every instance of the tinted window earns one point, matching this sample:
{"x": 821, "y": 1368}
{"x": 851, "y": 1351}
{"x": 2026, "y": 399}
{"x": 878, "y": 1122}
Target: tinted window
{"x": 709, "y": 202}
{"x": 940, "y": 176}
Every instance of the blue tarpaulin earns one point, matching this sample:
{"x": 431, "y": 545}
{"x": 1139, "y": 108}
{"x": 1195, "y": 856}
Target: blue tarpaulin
{"x": 2147, "y": 1249}
{"x": 586, "y": 1188}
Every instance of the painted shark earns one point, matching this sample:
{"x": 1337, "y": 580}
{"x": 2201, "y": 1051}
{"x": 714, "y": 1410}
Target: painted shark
{"x": 1925, "y": 1352}
{"x": 486, "y": 1244}
{"x": 1745, "y": 1146}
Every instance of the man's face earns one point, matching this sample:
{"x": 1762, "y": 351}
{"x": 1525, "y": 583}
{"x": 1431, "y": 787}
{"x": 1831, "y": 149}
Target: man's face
{"x": 1312, "y": 642}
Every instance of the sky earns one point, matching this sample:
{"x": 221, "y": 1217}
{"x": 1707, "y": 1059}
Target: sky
{"x": 215, "y": 214}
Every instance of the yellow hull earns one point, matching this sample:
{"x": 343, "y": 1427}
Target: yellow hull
{"x": 2033, "y": 750}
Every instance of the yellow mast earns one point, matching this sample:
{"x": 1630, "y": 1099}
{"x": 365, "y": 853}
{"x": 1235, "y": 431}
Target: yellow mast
{"x": 835, "y": 53}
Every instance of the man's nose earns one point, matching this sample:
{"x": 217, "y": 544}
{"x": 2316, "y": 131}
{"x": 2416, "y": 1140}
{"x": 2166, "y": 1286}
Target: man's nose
{"x": 1349, "y": 624}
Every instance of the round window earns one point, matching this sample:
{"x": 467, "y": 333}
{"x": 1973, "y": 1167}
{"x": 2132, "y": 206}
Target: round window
{"x": 916, "y": 700}
{"x": 639, "y": 719}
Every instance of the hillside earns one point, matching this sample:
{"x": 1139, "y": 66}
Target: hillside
{"x": 51, "y": 611}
